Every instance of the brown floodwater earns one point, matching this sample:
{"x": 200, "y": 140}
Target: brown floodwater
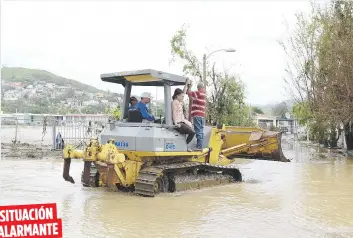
{"x": 309, "y": 197}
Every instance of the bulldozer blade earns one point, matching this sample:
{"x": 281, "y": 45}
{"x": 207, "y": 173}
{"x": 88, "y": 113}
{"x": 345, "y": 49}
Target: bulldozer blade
{"x": 111, "y": 177}
{"x": 66, "y": 171}
{"x": 278, "y": 155}
{"x": 254, "y": 143}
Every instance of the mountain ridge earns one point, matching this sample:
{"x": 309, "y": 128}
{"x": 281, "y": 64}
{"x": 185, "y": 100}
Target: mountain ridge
{"x": 32, "y": 76}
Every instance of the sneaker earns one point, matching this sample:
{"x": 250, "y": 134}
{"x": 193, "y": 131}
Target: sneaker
{"x": 190, "y": 150}
{"x": 198, "y": 149}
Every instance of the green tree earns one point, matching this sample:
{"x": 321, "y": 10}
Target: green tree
{"x": 70, "y": 93}
{"x": 257, "y": 110}
{"x": 302, "y": 113}
{"x": 280, "y": 110}
{"x": 113, "y": 112}
{"x": 320, "y": 70}
{"x": 94, "y": 109}
{"x": 228, "y": 107}
{"x": 317, "y": 128}
{"x": 179, "y": 50}
{"x": 225, "y": 93}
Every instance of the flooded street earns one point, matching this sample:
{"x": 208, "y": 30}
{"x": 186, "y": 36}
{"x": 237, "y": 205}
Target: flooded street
{"x": 305, "y": 198}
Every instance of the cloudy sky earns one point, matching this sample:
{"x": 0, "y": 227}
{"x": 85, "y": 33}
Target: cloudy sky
{"x": 83, "y": 39}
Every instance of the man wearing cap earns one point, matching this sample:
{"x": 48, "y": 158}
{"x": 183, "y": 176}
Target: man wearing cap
{"x": 198, "y": 108}
{"x": 133, "y": 102}
{"x": 141, "y": 106}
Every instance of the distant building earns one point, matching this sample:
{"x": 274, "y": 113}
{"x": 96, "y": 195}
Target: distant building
{"x": 15, "y": 84}
{"x": 90, "y": 95}
{"x": 72, "y": 102}
{"x": 90, "y": 103}
{"x": 113, "y": 104}
{"x": 85, "y": 117}
{"x": 50, "y": 85}
{"x": 99, "y": 95}
{"x": 285, "y": 124}
{"x": 63, "y": 88}
{"x": 10, "y": 99}
{"x": 120, "y": 98}
{"x": 11, "y": 95}
{"x": 59, "y": 93}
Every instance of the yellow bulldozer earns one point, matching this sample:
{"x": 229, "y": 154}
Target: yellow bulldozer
{"x": 149, "y": 157}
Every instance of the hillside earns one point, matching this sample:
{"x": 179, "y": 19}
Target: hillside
{"x": 39, "y": 91}
{"x": 33, "y": 76}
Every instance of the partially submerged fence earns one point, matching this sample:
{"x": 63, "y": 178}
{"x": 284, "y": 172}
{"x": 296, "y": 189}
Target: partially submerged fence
{"x": 22, "y": 130}
{"x": 52, "y": 130}
{"x": 77, "y": 132}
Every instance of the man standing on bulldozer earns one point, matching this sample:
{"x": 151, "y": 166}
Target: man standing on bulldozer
{"x": 198, "y": 108}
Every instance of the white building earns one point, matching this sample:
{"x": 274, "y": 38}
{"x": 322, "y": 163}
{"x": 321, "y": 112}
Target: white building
{"x": 63, "y": 88}
{"x": 11, "y": 95}
{"x": 113, "y": 104}
{"x": 50, "y": 85}
{"x": 90, "y": 103}
{"x": 266, "y": 122}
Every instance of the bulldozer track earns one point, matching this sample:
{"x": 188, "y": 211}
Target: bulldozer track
{"x": 160, "y": 178}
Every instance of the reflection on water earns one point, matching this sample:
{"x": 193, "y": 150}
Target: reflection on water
{"x": 328, "y": 192}
{"x": 26, "y": 134}
{"x": 275, "y": 200}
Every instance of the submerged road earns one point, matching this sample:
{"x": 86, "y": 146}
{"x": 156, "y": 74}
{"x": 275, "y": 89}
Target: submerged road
{"x": 308, "y": 197}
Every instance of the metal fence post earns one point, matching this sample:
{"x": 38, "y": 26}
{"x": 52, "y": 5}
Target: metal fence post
{"x": 16, "y": 131}
{"x": 54, "y": 134}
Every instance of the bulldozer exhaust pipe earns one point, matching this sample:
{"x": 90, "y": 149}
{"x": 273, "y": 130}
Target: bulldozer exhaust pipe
{"x": 66, "y": 172}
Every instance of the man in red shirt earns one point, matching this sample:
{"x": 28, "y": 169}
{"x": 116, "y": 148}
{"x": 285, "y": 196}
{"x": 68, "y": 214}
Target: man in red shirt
{"x": 198, "y": 109}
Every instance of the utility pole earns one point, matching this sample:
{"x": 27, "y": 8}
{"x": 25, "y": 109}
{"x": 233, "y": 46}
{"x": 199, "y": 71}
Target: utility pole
{"x": 205, "y": 57}
{"x": 204, "y": 72}
{"x": 204, "y": 69}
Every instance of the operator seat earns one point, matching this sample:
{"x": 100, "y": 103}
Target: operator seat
{"x": 134, "y": 116}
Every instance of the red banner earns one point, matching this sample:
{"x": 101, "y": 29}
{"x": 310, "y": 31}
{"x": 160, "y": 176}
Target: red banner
{"x": 32, "y": 220}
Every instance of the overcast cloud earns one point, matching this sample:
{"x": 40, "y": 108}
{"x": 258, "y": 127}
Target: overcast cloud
{"x": 81, "y": 40}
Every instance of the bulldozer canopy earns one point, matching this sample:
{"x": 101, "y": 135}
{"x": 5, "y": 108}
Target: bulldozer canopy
{"x": 145, "y": 77}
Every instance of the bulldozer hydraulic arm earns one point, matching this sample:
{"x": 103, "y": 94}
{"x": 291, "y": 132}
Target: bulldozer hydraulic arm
{"x": 253, "y": 143}
{"x": 235, "y": 150}
{"x": 255, "y": 150}
{"x": 107, "y": 153}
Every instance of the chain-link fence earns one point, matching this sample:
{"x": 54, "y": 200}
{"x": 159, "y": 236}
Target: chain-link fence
{"x": 51, "y": 131}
